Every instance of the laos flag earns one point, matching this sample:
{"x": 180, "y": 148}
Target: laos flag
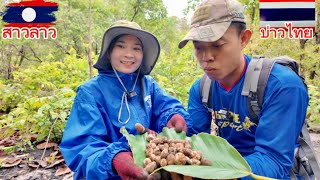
{"x": 30, "y": 13}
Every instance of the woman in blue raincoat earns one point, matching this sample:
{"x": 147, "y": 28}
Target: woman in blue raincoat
{"x": 122, "y": 94}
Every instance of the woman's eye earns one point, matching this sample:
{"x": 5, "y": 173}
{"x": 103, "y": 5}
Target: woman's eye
{"x": 120, "y": 45}
{"x": 137, "y": 48}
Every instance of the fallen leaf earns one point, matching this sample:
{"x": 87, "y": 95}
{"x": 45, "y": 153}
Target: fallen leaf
{"x": 55, "y": 163}
{"x": 43, "y": 163}
{"x": 22, "y": 156}
{"x": 54, "y": 154}
{"x": 68, "y": 177}
{"x": 45, "y": 144}
{"x": 59, "y": 157}
{"x": 37, "y": 163}
{"x": 33, "y": 137}
{"x": 49, "y": 159}
{"x": 7, "y": 142}
{"x": 63, "y": 170}
{"x": 33, "y": 164}
{"x": 2, "y": 153}
{"x": 10, "y": 162}
{"x": 2, "y": 130}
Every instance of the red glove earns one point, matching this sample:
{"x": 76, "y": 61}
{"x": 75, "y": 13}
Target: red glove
{"x": 126, "y": 168}
{"x": 141, "y": 129}
{"x": 178, "y": 123}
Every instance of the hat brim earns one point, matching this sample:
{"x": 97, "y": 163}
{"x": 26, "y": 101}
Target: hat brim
{"x": 151, "y": 47}
{"x": 207, "y": 33}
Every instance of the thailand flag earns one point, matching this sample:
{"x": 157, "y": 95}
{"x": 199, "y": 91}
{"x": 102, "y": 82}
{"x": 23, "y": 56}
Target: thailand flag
{"x": 301, "y": 13}
{"x": 30, "y": 13}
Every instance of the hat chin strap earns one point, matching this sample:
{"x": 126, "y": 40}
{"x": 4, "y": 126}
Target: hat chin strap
{"x": 125, "y": 94}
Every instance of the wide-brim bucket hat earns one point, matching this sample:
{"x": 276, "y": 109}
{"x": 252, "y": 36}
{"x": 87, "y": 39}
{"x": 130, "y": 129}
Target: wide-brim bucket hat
{"x": 151, "y": 46}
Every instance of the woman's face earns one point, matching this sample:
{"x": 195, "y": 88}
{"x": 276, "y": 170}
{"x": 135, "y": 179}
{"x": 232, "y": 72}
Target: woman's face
{"x": 127, "y": 54}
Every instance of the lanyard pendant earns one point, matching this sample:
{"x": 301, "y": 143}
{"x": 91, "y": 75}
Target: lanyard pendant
{"x": 131, "y": 94}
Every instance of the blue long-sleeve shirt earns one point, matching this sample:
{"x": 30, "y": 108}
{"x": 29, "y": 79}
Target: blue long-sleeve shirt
{"x": 268, "y": 146}
{"x": 92, "y": 135}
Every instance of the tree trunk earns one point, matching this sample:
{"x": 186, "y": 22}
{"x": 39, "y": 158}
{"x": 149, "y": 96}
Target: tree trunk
{"x": 22, "y": 55}
{"x": 313, "y": 73}
{"x": 253, "y": 13}
{"x": 9, "y": 67}
{"x": 90, "y": 44}
{"x": 318, "y": 29}
{"x": 302, "y": 46}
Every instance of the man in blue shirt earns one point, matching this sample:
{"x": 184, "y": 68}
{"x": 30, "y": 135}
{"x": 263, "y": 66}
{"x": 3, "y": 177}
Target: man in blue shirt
{"x": 219, "y": 35}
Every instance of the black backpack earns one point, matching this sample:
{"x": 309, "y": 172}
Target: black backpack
{"x": 256, "y": 78}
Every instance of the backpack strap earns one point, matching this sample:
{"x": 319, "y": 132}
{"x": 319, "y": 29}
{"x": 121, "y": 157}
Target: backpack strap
{"x": 255, "y": 82}
{"x": 293, "y": 175}
{"x": 306, "y": 146}
{"x": 206, "y": 92}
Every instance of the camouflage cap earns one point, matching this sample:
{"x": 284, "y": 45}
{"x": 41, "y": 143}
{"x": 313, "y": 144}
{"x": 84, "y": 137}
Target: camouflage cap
{"x": 151, "y": 46}
{"x": 211, "y": 20}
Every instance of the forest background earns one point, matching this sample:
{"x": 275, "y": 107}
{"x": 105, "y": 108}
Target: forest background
{"x": 39, "y": 78}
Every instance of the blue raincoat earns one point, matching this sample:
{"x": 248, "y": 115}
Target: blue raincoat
{"x": 92, "y": 135}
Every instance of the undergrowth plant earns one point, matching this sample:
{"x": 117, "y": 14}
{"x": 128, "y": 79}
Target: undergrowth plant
{"x": 313, "y": 113}
{"x": 40, "y": 97}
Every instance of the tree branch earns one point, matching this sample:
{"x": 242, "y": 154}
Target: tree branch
{"x": 136, "y": 10}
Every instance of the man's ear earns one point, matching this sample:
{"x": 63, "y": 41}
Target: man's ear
{"x": 245, "y": 37}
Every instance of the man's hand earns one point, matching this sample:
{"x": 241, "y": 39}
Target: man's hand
{"x": 126, "y": 168}
{"x": 178, "y": 123}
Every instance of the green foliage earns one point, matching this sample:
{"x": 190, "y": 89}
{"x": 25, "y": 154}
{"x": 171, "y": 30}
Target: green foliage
{"x": 176, "y": 72}
{"x": 176, "y": 68}
{"x": 40, "y": 97}
{"x": 314, "y": 106}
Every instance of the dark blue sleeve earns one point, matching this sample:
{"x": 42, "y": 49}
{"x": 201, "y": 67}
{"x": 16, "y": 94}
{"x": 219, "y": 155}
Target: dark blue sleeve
{"x": 85, "y": 146}
{"x": 200, "y": 117}
{"x": 281, "y": 119}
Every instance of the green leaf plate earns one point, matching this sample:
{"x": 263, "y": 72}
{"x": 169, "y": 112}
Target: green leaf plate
{"x": 227, "y": 162}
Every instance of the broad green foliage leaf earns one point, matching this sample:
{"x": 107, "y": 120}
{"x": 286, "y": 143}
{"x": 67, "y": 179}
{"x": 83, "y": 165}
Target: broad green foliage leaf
{"x": 227, "y": 163}
{"x": 171, "y": 134}
{"x": 137, "y": 145}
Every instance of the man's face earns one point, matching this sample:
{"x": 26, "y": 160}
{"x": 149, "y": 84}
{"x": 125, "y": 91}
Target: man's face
{"x": 222, "y": 60}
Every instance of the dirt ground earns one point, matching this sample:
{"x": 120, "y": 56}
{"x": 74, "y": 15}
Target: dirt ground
{"x": 30, "y": 169}
{"x": 315, "y": 138}
{"x": 24, "y": 171}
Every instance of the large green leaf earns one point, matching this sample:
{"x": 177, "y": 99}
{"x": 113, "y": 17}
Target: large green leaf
{"x": 137, "y": 145}
{"x": 227, "y": 163}
{"x": 172, "y": 134}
